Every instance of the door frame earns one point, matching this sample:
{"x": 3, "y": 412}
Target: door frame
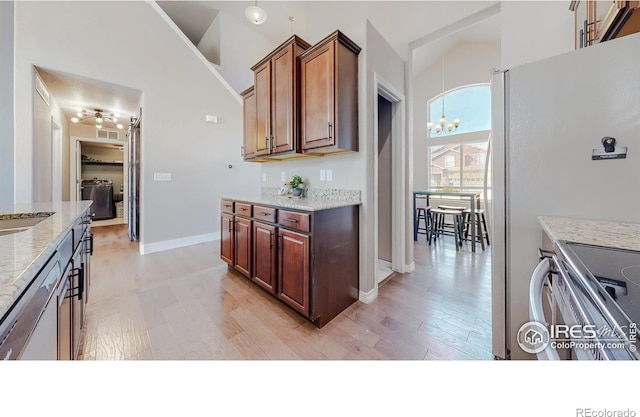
{"x": 399, "y": 205}
{"x": 56, "y": 161}
{"x": 74, "y": 181}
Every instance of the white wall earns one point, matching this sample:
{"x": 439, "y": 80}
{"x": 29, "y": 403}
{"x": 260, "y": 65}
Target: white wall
{"x": 221, "y": 44}
{"x": 534, "y": 30}
{"x": 178, "y": 91}
{"x": 465, "y": 63}
{"x": 6, "y": 102}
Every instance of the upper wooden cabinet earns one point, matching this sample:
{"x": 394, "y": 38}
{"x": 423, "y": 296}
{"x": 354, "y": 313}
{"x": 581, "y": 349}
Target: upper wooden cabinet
{"x": 600, "y": 21}
{"x": 329, "y": 96}
{"x": 277, "y": 97}
{"x": 250, "y": 124}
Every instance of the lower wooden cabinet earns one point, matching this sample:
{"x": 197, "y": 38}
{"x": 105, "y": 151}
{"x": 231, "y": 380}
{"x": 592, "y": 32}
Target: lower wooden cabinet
{"x": 265, "y": 255}
{"x": 293, "y": 277}
{"x": 308, "y": 260}
{"x": 227, "y": 239}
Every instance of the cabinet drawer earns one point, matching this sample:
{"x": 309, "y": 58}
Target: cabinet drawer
{"x": 242, "y": 209}
{"x": 226, "y": 206}
{"x": 264, "y": 214}
{"x": 293, "y": 220}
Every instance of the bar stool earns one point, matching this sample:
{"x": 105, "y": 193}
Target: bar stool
{"x": 423, "y": 213}
{"x": 482, "y": 233}
{"x": 439, "y": 227}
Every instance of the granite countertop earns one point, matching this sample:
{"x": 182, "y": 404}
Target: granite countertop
{"x": 592, "y": 232}
{"x": 23, "y": 254}
{"x": 316, "y": 199}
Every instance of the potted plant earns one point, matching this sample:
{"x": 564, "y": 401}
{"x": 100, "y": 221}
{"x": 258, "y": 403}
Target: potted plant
{"x": 296, "y": 185}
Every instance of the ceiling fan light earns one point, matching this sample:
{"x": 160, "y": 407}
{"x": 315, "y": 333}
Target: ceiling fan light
{"x": 256, "y": 15}
{"x": 75, "y": 120}
{"x": 119, "y": 126}
{"x": 79, "y": 114}
{"x": 99, "y": 126}
{"x": 99, "y": 120}
{"x": 114, "y": 120}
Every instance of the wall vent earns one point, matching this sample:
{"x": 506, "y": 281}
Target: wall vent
{"x": 107, "y": 134}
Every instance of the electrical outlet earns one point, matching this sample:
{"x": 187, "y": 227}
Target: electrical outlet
{"x": 329, "y": 175}
{"x": 322, "y": 175}
{"x": 264, "y": 177}
{"x": 283, "y": 177}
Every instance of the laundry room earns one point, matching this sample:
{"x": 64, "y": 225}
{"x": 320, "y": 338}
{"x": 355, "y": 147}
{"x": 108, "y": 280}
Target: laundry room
{"x": 103, "y": 181}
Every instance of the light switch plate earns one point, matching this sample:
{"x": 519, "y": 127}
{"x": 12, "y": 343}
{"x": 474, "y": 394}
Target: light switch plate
{"x": 322, "y": 175}
{"x": 264, "y": 177}
{"x": 329, "y": 175}
{"x": 162, "y": 176}
{"x": 282, "y": 176}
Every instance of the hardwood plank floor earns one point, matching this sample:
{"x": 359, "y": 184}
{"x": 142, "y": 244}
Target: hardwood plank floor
{"x": 186, "y": 304}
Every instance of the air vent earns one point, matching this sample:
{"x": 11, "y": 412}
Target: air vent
{"x": 107, "y": 134}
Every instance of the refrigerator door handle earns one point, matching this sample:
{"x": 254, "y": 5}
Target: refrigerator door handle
{"x": 536, "y": 312}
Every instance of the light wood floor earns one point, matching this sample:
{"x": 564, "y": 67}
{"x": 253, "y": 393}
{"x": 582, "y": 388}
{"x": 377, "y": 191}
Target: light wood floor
{"x": 185, "y": 304}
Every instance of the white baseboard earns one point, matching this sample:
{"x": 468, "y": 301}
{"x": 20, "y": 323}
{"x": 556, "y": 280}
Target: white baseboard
{"x": 368, "y": 297}
{"x": 410, "y": 268}
{"x": 146, "y": 249}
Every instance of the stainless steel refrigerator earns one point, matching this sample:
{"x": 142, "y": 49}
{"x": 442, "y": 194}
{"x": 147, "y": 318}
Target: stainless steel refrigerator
{"x": 548, "y": 116}
{"x": 134, "y": 179}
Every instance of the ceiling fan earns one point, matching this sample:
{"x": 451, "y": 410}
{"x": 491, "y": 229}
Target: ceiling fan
{"x": 100, "y": 117}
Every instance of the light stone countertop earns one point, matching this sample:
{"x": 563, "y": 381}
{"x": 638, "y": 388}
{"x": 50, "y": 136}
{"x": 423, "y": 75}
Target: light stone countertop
{"x": 317, "y": 199}
{"x": 23, "y": 254}
{"x": 592, "y": 232}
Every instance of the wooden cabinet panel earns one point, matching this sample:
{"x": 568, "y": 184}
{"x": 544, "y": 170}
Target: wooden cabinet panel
{"x": 293, "y": 277}
{"x": 227, "y": 238}
{"x": 250, "y": 128}
{"x": 317, "y": 78}
{"x": 294, "y": 220}
{"x": 262, "y": 91}
{"x": 242, "y": 209}
{"x": 226, "y": 206}
{"x": 264, "y": 214}
{"x": 243, "y": 246}
{"x": 329, "y": 96}
{"x": 282, "y": 109}
{"x": 265, "y": 256}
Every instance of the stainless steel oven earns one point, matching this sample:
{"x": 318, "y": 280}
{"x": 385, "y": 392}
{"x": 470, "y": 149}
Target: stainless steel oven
{"x": 587, "y": 298}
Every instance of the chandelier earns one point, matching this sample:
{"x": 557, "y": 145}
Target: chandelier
{"x": 255, "y": 14}
{"x": 443, "y": 126}
{"x": 100, "y": 117}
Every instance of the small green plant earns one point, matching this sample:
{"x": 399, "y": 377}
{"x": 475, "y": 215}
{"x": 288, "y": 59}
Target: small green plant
{"x": 295, "y": 182}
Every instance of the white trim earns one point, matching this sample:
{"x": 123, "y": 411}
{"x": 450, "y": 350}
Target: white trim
{"x": 410, "y": 267}
{"x": 398, "y": 167}
{"x": 205, "y": 61}
{"x": 368, "y": 297}
{"x": 148, "y": 248}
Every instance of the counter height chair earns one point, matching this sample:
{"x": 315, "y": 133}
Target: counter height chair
{"x": 482, "y": 234}
{"x": 423, "y": 213}
{"x": 439, "y": 227}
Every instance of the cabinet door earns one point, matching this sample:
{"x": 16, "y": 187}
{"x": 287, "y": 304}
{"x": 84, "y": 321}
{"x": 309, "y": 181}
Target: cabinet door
{"x": 250, "y": 125}
{"x": 227, "y": 239}
{"x": 243, "y": 249}
{"x": 265, "y": 256}
{"x": 282, "y": 91}
{"x": 293, "y": 264}
{"x": 262, "y": 91}
{"x": 317, "y": 98}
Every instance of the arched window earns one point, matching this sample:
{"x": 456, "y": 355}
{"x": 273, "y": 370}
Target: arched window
{"x": 471, "y": 104}
{"x": 458, "y": 158}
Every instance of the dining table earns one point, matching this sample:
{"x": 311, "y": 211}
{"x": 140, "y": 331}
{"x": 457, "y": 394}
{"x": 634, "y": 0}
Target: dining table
{"x": 474, "y": 204}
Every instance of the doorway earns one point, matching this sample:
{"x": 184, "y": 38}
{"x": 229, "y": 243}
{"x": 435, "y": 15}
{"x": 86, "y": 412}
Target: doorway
{"x": 390, "y": 192}
{"x": 101, "y": 160}
{"x": 385, "y": 203}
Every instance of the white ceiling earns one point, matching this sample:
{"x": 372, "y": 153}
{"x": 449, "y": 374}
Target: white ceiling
{"x": 71, "y": 91}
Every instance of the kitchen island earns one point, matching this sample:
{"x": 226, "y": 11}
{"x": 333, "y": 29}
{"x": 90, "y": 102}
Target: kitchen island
{"x": 57, "y": 231}
{"x": 305, "y": 252}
